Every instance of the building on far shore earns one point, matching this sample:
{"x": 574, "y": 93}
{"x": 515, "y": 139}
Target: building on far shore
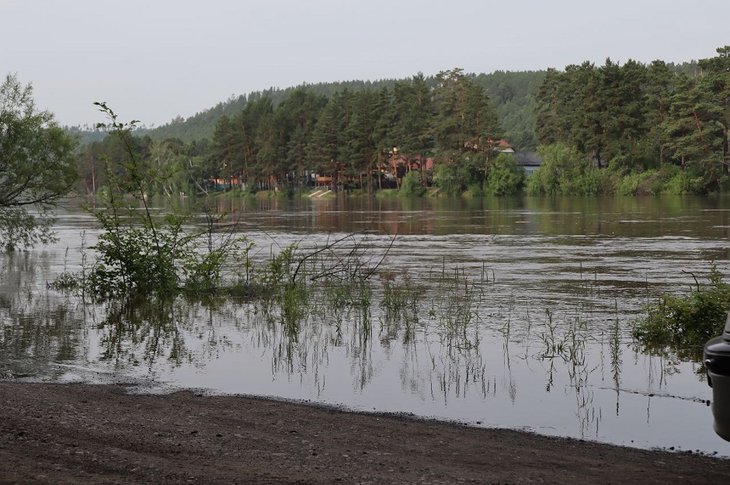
{"x": 529, "y": 161}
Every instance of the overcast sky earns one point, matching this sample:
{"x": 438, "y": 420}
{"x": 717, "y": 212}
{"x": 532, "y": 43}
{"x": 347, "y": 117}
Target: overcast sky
{"x": 155, "y": 59}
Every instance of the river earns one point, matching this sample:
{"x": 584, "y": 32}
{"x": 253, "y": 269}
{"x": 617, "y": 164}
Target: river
{"x": 552, "y": 288}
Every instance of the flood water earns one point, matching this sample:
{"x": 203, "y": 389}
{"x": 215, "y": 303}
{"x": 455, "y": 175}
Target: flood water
{"x": 555, "y": 287}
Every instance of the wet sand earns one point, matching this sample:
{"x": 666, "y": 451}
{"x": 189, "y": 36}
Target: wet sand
{"x": 78, "y": 433}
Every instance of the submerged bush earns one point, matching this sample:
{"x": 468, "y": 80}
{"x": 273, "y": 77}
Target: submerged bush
{"x": 454, "y": 176}
{"x": 139, "y": 253}
{"x": 686, "y": 322}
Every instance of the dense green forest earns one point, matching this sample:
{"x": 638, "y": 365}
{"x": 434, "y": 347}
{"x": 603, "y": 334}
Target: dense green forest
{"x": 513, "y": 95}
{"x": 633, "y": 128}
{"x": 654, "y": 128}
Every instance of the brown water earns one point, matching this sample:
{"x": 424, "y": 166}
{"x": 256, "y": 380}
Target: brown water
{"x": 571, "y": 271}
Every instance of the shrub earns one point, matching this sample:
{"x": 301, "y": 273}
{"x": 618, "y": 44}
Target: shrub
{"x": 592, "y": 181}
{"x": 561, "y": 164}
{"x": 505, "y": 177}
{"x": 454, "y": 176}
{"x": 411, "y": 185}
{"x": 684, "y": 182}
{"x": 474, "y": 190}
{"x": 139, "y": 254}
{"x": 447, "y": 178}
{"x": 688, "y": 321}
{"x": 638, "y": 183}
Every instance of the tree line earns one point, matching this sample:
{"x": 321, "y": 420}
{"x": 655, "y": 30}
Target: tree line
{"x": 351, "y": 137}
{"x": 630, "y": 129}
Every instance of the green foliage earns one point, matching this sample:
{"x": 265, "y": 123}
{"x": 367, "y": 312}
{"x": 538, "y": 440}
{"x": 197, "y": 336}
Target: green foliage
{"x": 202, "y": 125}
{"x": 561, "y": 167}
{"x": 684, "y": 322}
{"x": 505, "y": 177}
{"x": 465, "y": 119}
{"x": 453, "y": 177}
{"x": 411, "y": 185}
{"x": 285, "y": 287}
{"x": 684, "y": 182}
{"x": 514, "y": 95}
{"x": 20, "y": 228}
{"x": 400, "y": 301}
{"x": 346, "y": 132}
{"x": 139, "y": 253}
{"x": 565, "y": 171}
{"x": 648, "y": 116}
{"x": 37, "y": 167}
{"x": 474, "y": 190}
{"x": 592, "y": 181}
{"x": 449, "y": 178}
{"x": 640, "y": 183}
{"x": 203, "y": 271}
{"x": 135, "y": 260}
{"x": 277, "y": 275}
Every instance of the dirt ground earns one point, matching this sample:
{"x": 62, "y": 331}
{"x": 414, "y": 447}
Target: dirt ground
{"x": 74, "y": 433}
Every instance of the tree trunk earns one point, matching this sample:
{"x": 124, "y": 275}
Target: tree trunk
{"x": 370, "y": 176}
{"x": 724, "y": 151}
{"x": 93, "y": 177}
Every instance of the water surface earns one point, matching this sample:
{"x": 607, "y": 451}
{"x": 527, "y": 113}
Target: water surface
{"x": 570, "y": 272}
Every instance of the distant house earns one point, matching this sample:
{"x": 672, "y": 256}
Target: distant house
{"x": 503, "y": 146}
{"x": 529, "y": 161}
{"x": 221, "y": 183}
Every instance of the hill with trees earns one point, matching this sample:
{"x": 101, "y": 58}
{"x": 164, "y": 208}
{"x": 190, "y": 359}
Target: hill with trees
{"x": 513, "y": 95}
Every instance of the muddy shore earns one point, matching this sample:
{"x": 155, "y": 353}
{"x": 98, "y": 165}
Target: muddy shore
{"x": 76, "y": 433}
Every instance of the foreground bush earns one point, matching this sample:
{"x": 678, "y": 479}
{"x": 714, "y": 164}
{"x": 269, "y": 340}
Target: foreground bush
{"x": 687, "y": 322}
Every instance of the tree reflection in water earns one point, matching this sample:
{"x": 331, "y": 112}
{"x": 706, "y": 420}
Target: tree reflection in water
{"x": 38, "y": 328}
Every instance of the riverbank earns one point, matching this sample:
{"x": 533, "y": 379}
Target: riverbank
{"x": 77, "y": 433}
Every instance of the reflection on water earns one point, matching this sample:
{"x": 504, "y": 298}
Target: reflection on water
{"x": 36, "y": 327}
{"x": 510, "y": 313}
{"x": 559, "y": 216}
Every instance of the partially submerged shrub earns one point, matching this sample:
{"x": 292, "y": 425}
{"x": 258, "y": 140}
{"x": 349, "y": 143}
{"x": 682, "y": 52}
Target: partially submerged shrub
{"x": 139, "y": 253}
{"x": 686, "y": 322}
{"x": 685, "y": 182}
{"x": 136, "y": 260}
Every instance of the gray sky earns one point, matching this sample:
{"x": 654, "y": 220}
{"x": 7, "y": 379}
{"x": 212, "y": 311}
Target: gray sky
{"x": 155, "y": 59}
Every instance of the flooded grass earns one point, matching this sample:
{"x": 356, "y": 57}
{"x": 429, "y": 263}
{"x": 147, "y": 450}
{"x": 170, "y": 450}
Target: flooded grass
{"x": 683, "y": 323}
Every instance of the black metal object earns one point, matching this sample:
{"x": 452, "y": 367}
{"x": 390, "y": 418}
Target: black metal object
{"x": 716, "y": 357}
